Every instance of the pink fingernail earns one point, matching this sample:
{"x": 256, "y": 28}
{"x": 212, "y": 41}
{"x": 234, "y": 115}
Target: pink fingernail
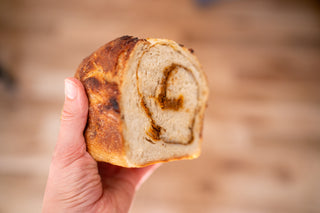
{"x": 70, "y": 89}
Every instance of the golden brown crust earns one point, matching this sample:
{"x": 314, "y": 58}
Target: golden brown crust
{"x": 100, "y": 73}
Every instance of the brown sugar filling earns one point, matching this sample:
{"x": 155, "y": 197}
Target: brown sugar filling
{"x": 165, "y": 103}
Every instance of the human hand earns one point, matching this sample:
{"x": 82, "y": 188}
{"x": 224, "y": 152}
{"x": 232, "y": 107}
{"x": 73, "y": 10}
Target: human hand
{"x": 76, "y": 182}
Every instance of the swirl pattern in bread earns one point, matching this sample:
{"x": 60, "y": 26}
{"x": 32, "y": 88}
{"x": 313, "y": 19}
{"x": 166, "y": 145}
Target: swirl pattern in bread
{"x": 146, "y": 102}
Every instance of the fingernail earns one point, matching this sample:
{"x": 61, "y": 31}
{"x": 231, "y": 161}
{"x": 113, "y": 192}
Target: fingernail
{"x": 70, "y": 89}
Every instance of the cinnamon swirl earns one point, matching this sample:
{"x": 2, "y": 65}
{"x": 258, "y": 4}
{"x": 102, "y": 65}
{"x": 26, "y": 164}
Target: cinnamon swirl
{"x": 146, "y": 102}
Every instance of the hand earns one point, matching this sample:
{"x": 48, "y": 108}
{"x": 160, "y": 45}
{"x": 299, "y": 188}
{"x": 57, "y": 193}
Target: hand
{"x": 76, "y": 182}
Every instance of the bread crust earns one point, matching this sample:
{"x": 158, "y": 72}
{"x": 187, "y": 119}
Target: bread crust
{"x": 101, "y": 75}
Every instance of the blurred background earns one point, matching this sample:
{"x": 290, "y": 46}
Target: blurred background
{"x": 261, "y": 148}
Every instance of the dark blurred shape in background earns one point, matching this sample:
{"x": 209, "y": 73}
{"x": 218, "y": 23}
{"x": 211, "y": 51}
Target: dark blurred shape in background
{"x": 6, "y": 78}
{"x": 261, "y": 148}
{"x": 205, "y": 3}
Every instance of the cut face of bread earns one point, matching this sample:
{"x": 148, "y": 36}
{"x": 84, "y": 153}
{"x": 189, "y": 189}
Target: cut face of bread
{"x": 146, "y": 102}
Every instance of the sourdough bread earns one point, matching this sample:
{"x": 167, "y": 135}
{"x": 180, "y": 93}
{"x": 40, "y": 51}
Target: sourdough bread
{"x": 146, "y": 102}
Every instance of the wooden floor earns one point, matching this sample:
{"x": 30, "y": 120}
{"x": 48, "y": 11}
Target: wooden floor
{"x": 261, "y": 148}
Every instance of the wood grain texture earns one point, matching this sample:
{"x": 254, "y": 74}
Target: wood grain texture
{"x": 261, "y": 149}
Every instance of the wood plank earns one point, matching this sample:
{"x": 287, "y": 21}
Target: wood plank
{"x": 261, "y": 148}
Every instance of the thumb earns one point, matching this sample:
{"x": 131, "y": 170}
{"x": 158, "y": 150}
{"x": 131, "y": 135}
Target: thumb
{"x": 71, "y": 143}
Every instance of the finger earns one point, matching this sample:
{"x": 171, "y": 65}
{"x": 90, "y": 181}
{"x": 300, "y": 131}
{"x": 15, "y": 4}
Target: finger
{"x": 107, "y": 170}
{"x": 71, "y": 143}
{"x": 146, "y": 174}
{"x": 137, "y": 176}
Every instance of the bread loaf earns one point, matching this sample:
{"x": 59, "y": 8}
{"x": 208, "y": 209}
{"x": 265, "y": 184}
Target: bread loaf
{"x": 146, "y": 102}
